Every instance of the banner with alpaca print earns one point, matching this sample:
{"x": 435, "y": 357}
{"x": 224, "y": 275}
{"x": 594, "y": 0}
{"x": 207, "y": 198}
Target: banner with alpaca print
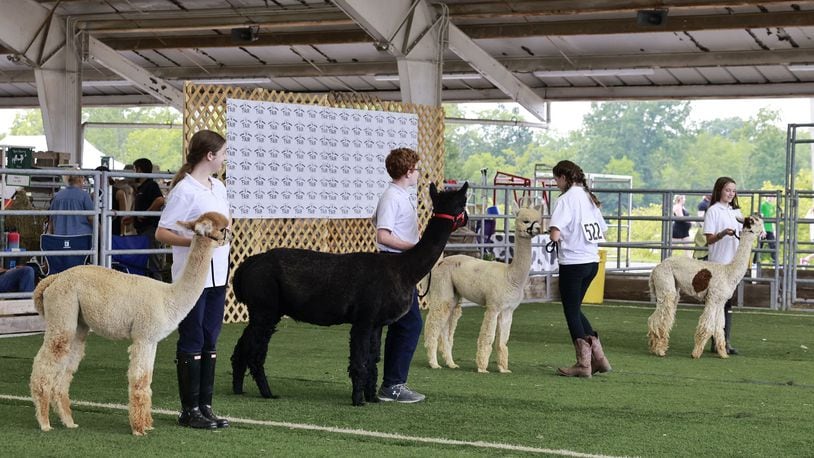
{"x": 308, "y": 161}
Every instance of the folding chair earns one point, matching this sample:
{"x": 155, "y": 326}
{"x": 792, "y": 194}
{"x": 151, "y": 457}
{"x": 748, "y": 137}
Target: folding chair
{"x": 130, "y": 263}
{"x": 56, "y": 264}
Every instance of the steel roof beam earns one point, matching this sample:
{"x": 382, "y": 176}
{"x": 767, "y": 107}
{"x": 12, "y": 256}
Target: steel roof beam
{"x": 153, "y": 85}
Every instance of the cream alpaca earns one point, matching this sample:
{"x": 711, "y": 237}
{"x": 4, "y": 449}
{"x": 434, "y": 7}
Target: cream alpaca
{"x": 495, "y": 285}
{"x": 706, "y": 281}
{"x": 117, "y": 306}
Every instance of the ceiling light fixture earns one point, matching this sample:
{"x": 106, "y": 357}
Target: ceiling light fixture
{"x": 594, "y": 72}
{"x": 445, "y": 76}
{"x": 251, "y": 80}
{"x": 801, "y": 68}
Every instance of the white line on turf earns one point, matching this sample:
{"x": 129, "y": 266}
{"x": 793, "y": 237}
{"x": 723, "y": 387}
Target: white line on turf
{"x": 348, "y": 431}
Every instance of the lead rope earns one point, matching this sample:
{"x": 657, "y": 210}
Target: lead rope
{"x": 429, "y": 281}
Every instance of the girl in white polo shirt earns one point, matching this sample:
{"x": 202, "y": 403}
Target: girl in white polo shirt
{"x": 577, "y": 227}
{"x": 195, "y": 191}
{"x": 720, "y": 227}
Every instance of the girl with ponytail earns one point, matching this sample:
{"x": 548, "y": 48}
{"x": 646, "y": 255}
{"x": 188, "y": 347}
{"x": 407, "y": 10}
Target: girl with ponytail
{"x": 577, "y": 227}
{"x": 195, "y": 191}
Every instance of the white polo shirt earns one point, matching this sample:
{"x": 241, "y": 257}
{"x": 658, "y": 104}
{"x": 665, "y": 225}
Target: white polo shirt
{"x": 578, "y": 220}
{"x": 396, "y": 212}
{"x": 188, "y": 200}
{"x": 718, "y": 218}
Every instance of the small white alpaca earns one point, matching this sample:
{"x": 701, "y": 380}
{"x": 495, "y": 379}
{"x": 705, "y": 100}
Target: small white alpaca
{"x": 117, "y": 306}
{"x": 706, "y": 281}
{"x": 495, "y": 285}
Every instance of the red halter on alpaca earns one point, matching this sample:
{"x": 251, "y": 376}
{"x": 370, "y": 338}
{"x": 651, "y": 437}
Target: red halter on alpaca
{"x": 458, "y": 220}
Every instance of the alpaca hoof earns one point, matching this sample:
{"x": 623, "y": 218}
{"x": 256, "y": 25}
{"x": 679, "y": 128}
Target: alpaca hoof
{"x": 723, "y": 355}
{"x": 696, "y": 354}
{"x": 435, "y": 365}
{"x": 482, "y": 371}
{"x": 504, "y": 371}
{"x": 139, "y": 433}
{"x": 46, "y": 428}
{"x": 358, "y": 401}
{"x": 452, "y": 366}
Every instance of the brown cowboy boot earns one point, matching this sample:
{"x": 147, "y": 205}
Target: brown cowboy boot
{"x": 599, "y": 363}
{"x": 583, "y": 366}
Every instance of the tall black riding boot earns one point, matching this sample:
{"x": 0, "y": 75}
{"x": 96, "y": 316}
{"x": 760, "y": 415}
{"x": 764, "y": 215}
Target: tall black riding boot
{"x": 728, "y": 331}
{"x": 189, "y": 382}
{"x": 208, "y": 359}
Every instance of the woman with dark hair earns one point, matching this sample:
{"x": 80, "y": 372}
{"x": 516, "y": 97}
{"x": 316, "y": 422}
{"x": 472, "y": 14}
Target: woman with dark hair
{"x": 721, "y": 225}
{"x": 577, "y": 227}
{"x": 195, "y": 191}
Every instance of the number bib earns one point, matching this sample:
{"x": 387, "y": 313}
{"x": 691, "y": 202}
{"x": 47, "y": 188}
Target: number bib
{"x": 593, "y": 232}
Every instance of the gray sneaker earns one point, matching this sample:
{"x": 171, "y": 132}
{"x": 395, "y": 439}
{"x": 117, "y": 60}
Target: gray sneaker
{"x": 399, "y": 393}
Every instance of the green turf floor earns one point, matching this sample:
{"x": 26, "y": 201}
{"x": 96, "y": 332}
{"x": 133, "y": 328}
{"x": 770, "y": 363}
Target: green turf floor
{"x": 760, "y": 403}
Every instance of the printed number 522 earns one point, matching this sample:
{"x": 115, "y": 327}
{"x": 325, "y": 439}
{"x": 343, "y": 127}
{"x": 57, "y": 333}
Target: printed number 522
{"x": 593, "y": 232}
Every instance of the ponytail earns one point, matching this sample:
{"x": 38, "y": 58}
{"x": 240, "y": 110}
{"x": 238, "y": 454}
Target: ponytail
{"x": 574, "y": 174}
{"x": 182, "y": 172}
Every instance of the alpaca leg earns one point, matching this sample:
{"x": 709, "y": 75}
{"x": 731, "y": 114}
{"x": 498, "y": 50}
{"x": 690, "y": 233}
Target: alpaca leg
{"x": 504, "y": 329}
{"x": 720, "y": 335}
{"x": 375, "y": 355}
{"x": 486, "y": 338}
{"x": 63, "y": 380}
{"x": 139, "y": 377}
{"x": 448, "y": 339}
{"x": 48, "y": 365}
{"x": 661, "y": 322}
{"x": 433, "y": 328}
{"x": 359, "y": 355}
{"x": 250, "y": 352}
{"x": 707, "y": 324}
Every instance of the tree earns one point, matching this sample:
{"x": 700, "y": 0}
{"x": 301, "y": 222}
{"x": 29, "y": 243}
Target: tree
{"x": 28, "y": 122}
{"x": 648, "y": 133}
{"x": 162, "y": 146}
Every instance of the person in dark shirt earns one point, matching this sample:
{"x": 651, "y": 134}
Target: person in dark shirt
{"x": 148, "y": 198}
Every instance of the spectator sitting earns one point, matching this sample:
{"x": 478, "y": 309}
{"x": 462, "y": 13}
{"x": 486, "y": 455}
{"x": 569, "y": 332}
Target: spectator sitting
{"x": 148, "y": 198}
{"x": 73, "y": 197}
{"x": 17, "y": 280}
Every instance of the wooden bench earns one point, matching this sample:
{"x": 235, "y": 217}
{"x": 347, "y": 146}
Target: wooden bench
{"x": 19, "y": 316}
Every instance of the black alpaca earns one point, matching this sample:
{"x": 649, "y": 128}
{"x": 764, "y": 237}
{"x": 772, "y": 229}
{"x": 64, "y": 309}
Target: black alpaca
{"x": 367, "y": 290}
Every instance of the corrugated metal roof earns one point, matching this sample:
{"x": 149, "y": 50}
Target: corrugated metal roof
{"x": 703, "y": 49}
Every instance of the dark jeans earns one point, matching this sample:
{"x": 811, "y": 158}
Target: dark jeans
{"x": 155, "y": 262}
{"x": 771, "y": 241}
{"x": 574, "y": 282}
{"x": 399, "y": 345}
{"x": 199, "y": 331}
{"x": 17, "y": 280}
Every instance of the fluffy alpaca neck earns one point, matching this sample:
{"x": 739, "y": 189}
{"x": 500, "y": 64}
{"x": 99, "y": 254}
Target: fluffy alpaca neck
{"x": 419, "y": 259}
{"x": 518, "y": 271}
{"x": 743, "y": 255}
{"x": 187, "y": 289}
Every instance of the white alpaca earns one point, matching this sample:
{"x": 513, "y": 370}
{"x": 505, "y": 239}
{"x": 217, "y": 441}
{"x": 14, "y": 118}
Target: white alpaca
{"x": 117, "y": 306}
{"x": 495, "y": 285}
{"x": 706, "y": 281}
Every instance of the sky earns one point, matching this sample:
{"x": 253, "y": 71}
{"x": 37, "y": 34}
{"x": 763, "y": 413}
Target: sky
{"x": 567, "y": 116}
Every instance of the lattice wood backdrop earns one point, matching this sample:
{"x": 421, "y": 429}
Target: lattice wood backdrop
{"x": 205, "y": 108}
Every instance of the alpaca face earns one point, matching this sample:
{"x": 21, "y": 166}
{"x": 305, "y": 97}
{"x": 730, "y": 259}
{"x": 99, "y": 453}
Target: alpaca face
{"x": 449, "y": 202}
{"x": 211, "y": 225}
{"x": 753, "y": 223}
{"x": 527, "y": 223}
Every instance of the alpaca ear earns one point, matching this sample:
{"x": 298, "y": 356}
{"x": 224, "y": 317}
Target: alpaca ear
{"x": 203, "y": 227}
{"x": 465, "y": 187}
{"x": 433, "y": 191}
{"x": 186, "y": 224}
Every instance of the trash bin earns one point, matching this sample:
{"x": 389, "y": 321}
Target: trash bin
{"x": 596, "y": 292}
